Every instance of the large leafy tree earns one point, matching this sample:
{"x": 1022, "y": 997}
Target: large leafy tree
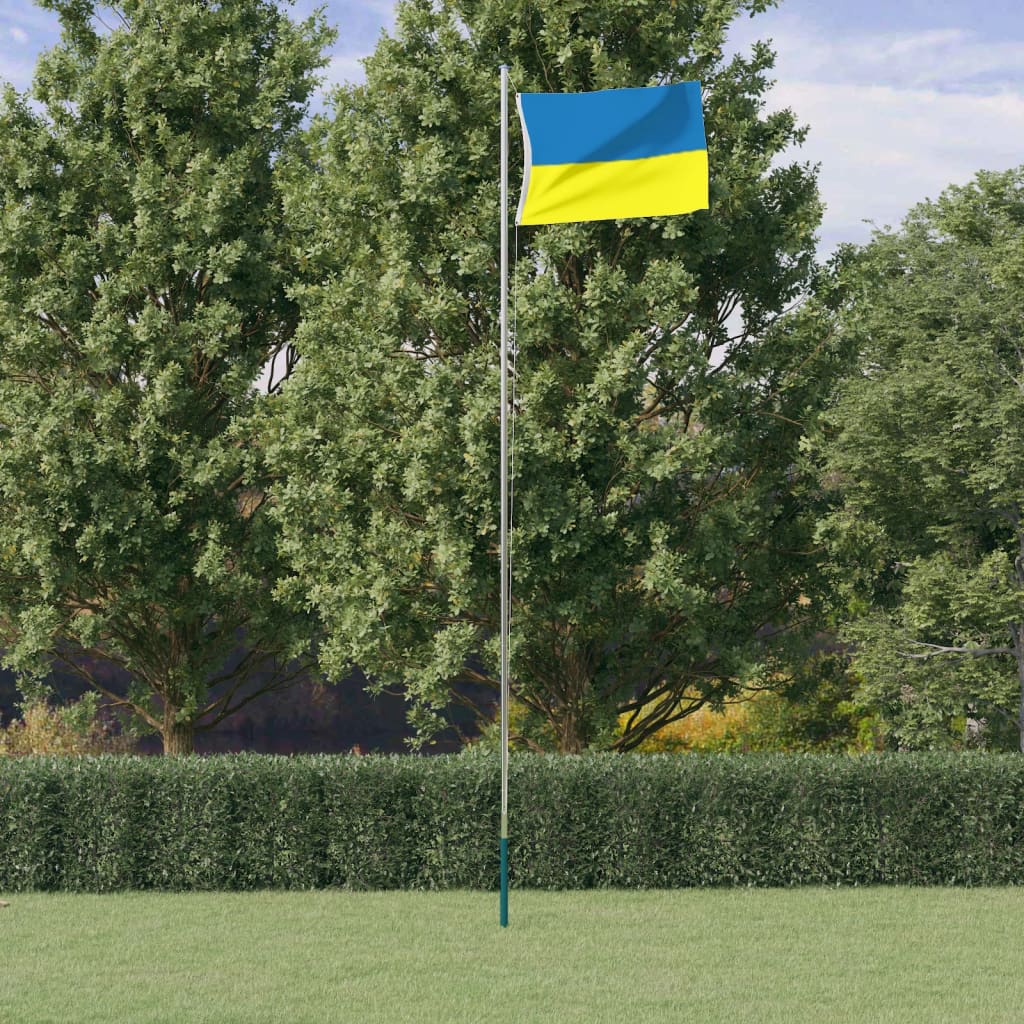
{"x": 925, "y": 455}
{"x": 143, "y": 286}
{"x": 660, "y": 543}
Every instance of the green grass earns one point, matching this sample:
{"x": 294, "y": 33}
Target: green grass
{"x": 827, "y": 956}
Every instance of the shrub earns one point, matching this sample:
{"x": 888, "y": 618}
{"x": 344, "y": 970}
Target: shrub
{"x": 642, "y": 821}
{"x": 75, "y": 728}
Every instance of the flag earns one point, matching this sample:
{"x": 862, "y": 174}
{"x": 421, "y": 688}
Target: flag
{"x": 613, "y": 154}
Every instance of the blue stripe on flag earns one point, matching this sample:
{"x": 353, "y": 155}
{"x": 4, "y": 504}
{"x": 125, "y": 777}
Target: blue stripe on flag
{"x": 613, "y": 124}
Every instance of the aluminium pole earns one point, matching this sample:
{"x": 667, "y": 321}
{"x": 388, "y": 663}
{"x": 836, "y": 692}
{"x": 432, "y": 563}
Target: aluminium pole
{"x": 505, "y": 582}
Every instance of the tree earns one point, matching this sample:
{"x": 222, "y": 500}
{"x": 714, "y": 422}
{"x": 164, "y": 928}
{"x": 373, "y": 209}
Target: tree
{"x": 661, "y": 540}
{"x": 925, "y": 455}
{"x": 143, "y": 285}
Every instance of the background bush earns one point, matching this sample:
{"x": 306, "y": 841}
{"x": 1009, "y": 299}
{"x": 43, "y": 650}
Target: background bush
{"x": 644, "y": 821}
{"x": 815, "y": 710}
{"x": 79, "y": 727}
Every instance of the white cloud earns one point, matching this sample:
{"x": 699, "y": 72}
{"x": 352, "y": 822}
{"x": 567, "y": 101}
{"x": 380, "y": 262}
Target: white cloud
{"x": 883, "y": 149}
{"x": 894, "y": 117}
{"x": 16, "y": 70}
{"x": 25, "y": 30}
{"x": 344, "y": 68}
{"x": 384, "y": 9}
{"x": 947, "y": 59}
{"x": 927, "y": 40}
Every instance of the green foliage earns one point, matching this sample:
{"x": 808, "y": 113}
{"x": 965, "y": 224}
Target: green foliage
{"x": 603, "y": 820}
{"x": 144, "y": 272}
{"x": 527, "y": 730}
{"x": 925, "y": 455}
{"x": 661, "y": 516}
{"x": 818, "y": 710}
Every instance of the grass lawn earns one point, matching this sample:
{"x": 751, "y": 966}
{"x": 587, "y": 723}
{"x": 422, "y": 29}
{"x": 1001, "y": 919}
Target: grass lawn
{"x": 824, "y": 956}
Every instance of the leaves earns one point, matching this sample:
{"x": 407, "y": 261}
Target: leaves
{"x": 925, "y": 453}
{"x": 144, "y": 275}
{"x": 659, "y": 397}
{"x": 248, "y": 822}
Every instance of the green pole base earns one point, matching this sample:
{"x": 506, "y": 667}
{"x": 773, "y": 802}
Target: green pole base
{"x": 504, "y": 882}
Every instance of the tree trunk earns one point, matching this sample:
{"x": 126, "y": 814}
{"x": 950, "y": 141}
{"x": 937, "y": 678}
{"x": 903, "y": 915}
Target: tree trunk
{"x": 569, "y": 728}
{"x": 178, "y": 737}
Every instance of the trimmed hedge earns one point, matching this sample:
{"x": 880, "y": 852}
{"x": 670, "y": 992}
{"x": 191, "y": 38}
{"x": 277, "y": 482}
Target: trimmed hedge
{"x": 655, "y": 821}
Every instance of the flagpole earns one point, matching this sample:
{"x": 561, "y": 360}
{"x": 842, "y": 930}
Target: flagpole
{"x": 505, "y": 581}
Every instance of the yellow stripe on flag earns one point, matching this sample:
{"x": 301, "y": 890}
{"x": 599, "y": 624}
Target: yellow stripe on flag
{"x": 655, "y": 186}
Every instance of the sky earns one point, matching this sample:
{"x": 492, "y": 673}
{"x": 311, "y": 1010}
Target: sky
{"x": 902, "y": 97}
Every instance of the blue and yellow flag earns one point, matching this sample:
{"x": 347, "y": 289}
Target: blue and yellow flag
{"x": 613, "y": 154}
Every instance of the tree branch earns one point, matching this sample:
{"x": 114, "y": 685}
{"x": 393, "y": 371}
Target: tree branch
{"x": 937, "y": 650}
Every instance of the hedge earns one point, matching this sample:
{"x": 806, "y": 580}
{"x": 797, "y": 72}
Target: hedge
{"x": 95, "y": 824}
